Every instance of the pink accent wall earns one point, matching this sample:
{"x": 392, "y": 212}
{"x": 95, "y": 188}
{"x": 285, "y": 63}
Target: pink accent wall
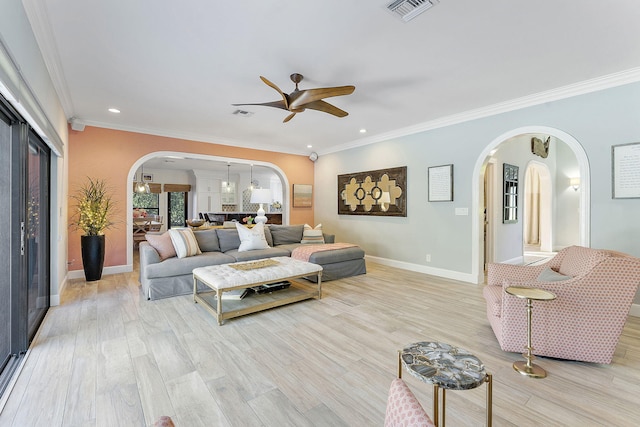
{"x": 110, "y": 154}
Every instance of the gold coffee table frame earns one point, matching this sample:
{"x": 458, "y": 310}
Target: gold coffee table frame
{"x": 527, "y": 367}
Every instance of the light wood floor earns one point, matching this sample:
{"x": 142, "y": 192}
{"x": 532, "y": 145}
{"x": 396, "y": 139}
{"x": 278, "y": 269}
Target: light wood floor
{"x": 107, "y": 357}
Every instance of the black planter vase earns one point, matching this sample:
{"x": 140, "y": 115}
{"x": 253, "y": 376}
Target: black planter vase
{"x": 92, "y": 256}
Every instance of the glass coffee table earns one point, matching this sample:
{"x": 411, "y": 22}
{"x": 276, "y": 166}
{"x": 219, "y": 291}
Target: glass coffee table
{"x": 447, "y": 368}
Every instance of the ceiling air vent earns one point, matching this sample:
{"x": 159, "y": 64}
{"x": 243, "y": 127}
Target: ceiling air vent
{"x": 409, "y": 9}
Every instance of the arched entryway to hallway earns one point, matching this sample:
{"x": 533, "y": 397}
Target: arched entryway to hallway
{"x": 537, "y": 208}
{"x": 478, "y": 196}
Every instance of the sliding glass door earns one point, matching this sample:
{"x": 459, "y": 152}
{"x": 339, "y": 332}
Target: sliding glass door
{"x": 24, "y": 238}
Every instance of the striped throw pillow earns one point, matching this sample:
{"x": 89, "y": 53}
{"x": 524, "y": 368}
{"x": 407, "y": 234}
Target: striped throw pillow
{"x": 312, "y": 235}
{"x": 184, "y": 241}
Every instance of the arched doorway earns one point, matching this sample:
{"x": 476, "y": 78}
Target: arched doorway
{"x": 478, "y": 196}
{"x": 225, "y": 160}
{"x": 537, "y": 208}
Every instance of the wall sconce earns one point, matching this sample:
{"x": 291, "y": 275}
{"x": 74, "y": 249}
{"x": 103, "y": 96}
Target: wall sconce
{"x": 575, "y": 183}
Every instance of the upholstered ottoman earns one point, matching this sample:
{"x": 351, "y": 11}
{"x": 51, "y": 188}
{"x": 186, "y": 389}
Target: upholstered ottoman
{"x": 338, "y": 260}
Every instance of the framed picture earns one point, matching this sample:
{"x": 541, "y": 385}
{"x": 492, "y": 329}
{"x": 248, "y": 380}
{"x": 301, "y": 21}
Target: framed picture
{"x": 147, "y": 177}
{"x": 302, "y": 195}
{"x": 381, "y": 192}
{"x": 625, "y": 171}
{"x": 440, "y": 179}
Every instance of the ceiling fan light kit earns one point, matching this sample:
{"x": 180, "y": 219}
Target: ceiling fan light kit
{"x": 299, "y": 100}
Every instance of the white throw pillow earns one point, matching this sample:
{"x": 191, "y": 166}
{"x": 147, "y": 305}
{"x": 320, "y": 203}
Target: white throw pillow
{"x": 184, "y": 241}
{"x": 251, "y": 238}
{"x": 312, "y": 235}
{"x": 549, "y": 275}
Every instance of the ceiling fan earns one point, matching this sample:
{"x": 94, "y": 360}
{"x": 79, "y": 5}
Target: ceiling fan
{"x": 299, "y": 100}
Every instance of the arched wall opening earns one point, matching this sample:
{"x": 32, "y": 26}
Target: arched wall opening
{"x": 478, "y": 182}
{"x": 138, "y": 163}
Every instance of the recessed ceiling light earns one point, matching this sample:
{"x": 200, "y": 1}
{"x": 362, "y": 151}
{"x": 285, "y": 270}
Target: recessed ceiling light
{"x": 309, "y": 146}
{"x": 363, "y": 130}
{"x": 114, "y": 110}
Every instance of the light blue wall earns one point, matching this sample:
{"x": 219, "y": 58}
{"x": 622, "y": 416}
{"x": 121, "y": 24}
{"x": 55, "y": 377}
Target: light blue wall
{"x": 597, "y": 121}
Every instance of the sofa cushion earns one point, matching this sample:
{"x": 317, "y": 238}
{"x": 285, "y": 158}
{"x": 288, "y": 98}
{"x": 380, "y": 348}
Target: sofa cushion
{"x": 286, "y": 234}
{"x": 267, "y": 235}
{"x": 184, "y": 266}
{"x": 228, "y": 238}
{"x": 312, "y": 235}
{"x": 162, "y": 244}
{"x": 580, "y": 260}
{"x": 256, "y": 254}
{"x": 549, "y": 275}
{"x": 184, "y": 241}
{"x": 207, "y": 240}
{"x": 251, "y": 238}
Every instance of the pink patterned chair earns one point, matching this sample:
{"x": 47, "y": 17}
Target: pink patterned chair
{"x": 403, "y": 409}
{"x": 594, "y": 289}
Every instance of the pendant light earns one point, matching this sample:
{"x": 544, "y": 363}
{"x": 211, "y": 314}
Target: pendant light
{"x": 251, "y": 178}
{"x": 142, "y": 187}
{"x": 228, "y": 179}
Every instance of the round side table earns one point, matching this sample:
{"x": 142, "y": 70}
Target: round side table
{"x": 526, "y": 367}
{"x": 447, "y": 368}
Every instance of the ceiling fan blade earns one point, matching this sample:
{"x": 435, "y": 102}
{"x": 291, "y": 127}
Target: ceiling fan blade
{"x": 302, "y": 97}
{"x": 289, "y": 117}
{"x": 272, "y": 85}
{"x": 276, "y": 104}
{"x": 325, "y": 107}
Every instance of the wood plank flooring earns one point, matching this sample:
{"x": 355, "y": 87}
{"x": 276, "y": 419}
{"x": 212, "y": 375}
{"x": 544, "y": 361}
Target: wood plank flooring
{"x": 108, "y": 357}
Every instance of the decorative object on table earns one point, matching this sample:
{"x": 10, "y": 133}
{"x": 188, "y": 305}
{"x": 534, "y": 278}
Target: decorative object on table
{"x": 195, "y": 222}
{"x": 248, "y": 220}
{"x": 93, "y": 215}
{"x": 625, "y": 164}
{"x": 527, "y": 367}
{"x": 299, "y": 100}
{"x": 510, "y": 196}
{"x": 447, "y": 368}
{"x": 440, "y": 182}
{"x": 540, "y": 147}
{"x": 261, "y": 196}
{"x": 276, "y": 206}
{"x": 380, "y": 192}
{"x": 302, "y": 195}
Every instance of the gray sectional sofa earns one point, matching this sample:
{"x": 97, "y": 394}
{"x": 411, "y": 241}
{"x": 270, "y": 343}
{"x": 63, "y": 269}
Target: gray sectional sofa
{"x": 171, "y": 277}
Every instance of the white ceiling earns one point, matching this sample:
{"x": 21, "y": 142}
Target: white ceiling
{"x": 175, "y": 67}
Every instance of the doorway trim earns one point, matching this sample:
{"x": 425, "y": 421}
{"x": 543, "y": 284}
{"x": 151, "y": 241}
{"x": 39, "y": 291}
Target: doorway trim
{"x": 477, "y": 196}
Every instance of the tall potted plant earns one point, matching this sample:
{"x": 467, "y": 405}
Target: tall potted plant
{"x": 93, "y": 215}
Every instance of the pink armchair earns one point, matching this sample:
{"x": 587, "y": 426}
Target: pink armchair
{"x": 586, "y": 319}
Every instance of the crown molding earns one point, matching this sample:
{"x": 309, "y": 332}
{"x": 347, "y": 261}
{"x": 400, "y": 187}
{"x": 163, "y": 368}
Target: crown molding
{"x": 36, "y": 12}
{"x": 564, "y": 92}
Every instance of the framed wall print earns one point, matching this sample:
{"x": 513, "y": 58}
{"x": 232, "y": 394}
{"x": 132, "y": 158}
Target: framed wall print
{"x": 625, "y": 171}
{"x": 381, "y": 192}
{"x": 302, "y": 195}
{"x": 440, "y": 183}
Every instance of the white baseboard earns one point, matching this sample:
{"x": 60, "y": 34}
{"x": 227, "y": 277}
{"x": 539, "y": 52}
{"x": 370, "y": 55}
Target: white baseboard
{"x": 448, "y": 274}
{"x": 115, "y": 269}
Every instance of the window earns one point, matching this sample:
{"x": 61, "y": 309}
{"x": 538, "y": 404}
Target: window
{"x": 177, "y": 209}
{"x": 149, "y": 202}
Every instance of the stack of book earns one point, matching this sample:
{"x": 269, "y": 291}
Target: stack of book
{"x": 237, "y": 294}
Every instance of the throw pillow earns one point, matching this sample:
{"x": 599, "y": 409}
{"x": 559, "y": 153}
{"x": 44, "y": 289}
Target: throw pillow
{"x": 548, "y": 275}
{"x": 207, "y": 240}
{"x": 251, "y": 238}
{"x": 312, "y": 235}
{"x": 286, "y": 234}
{"x": 184, "y": 241}
{"x": 162, "y": 244}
